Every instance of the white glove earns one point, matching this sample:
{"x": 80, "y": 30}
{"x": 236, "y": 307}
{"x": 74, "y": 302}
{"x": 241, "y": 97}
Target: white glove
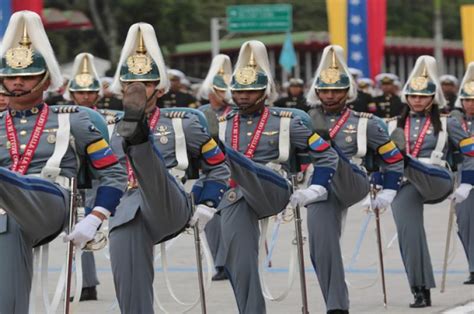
{"x": 461, "y": 193}
{"x": 201, "y": 216}
{"x": 84, "y": 230}
{"x": 384, "y": 198}
{"x": 311, "y": 194}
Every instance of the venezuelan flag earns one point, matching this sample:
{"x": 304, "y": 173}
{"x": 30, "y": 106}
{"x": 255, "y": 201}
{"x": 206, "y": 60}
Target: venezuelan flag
{"x": 101, "y": 155}
{"x": 212, "y": 153}
{"x": 467, "y": 146}
{"x": 317, "y": 143}
{"x": 390, "y": 153}
{"x": 359, "y": 27}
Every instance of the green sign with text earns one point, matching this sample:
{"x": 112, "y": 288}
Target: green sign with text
{"x": 259, "y": 18}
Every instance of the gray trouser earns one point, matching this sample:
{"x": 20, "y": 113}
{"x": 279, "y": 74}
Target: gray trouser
{"x": 260, "y": 192}
{"x": 349, "y": 186}
{"x": 36, "y": 212}
{"x": 214, "y": 238}
{"x": 89, "y": 272}
{"x": 131, "y": 256}
{"x": 426, "y": 183}
{"x": 465, "y": 221}
{"x": 163, "y": 212}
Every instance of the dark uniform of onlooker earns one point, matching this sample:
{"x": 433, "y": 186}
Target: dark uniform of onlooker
{"x": 389, "y": 104}
{"x": 177, "y": 96}
{"x": 449, "y": 85}
{"x": 363, "y": 102}
{"x": 295, "y": 98}
{"x": 109, "y": 100}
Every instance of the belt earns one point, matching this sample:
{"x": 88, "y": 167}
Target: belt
{"x": 428, "y": 161}
{"x": 64, "y": 182}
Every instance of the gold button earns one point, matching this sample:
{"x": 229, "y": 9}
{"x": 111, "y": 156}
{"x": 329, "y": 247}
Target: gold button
{"x": 416, "y": 128}
{"x": 23, "y": 132}
{"x": 415, "y": 135}
{"x": 249, "y": 133}
{"x": 23, "y": 121}
{"x": 23, "y": 146}
{"x": 34, "y": 110}
{"x": 332, "y": 120}
{"x": 249, "y": 122}
{"x": 417, "y": 120}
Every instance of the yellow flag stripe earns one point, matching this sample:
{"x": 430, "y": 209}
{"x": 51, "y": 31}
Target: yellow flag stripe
{"x": 467, "y": 26}
{"x": 337, "y": 20}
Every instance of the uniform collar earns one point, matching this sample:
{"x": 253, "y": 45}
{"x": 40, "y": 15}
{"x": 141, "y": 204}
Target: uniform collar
{"x": 418, "y": 114}
{"x": 26, "y": 113}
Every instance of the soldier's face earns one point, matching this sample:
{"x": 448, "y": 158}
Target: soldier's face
{"x": 295, "y": 90}
{"x": 449, "y": 89}
{"x": 333, "y": 100}
{"x": 18, "y": 85}
{"x": 388, "y": 88}
{"x": 217, "y": 98}
{"x": 419, "y": 103}
{"x": 468, "y": 105}
{"x": 86, "y": 99}
{"x": 247, "y": 100}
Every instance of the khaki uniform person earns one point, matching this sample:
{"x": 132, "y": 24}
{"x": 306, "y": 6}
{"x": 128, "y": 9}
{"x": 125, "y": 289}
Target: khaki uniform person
{"x": 215, "y": 88}
{"x": 157, "y": 144}
{"x": 354, "y": 135}
{"x": 259, "y": 142}
{"x": 465, "y": 210}
{"x": 428, "y": 138}
{"x": 38, "y": 159}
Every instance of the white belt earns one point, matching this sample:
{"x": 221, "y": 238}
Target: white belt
{"x": 65, "y": 182}
{"x": 429, "y": 161}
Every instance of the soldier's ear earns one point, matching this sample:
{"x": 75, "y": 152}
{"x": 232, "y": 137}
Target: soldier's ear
{"x": 159, "y": 93}
{"x": 46, "y": 84}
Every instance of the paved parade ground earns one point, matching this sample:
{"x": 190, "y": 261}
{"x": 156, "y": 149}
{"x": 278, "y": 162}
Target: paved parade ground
{"x": 361, "y": 269}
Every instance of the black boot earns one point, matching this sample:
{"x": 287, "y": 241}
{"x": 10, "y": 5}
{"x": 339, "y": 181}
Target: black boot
{"x": 419, "y": 295}
{"x": 427, "y": 295}
{"x": 133, "y": 127}
{"x": 220, "y": 274}
{"x": 338, "y": 312}
{"x": 470, "y": 280}
{"x": 87, "y": 294}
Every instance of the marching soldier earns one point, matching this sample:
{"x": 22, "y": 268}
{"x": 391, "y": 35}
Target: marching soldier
{"x": 216, "y": 88}
{"x": 427, "y": 137}
{"x": 84, "y": 90}
{"x": 353, "y": 134}
{"x": 37, "y": 159}
{"x": 295, "y": 98}
{"x": 155, "y": 207}
{"x": 464, "y": 210}
{"x": 389, "y": 103}
{"x": 259, "y": 142}
{"x": 177, "y": 96}
{"x": 449, "y": 85}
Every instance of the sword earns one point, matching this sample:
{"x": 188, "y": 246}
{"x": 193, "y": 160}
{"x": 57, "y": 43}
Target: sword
{"x": 448, "y": 241}
{"x": 299, "y": 243}
{"x": 70, "y": 245}
{"x": 197, "y": 245}
{"x": 379, "y": 244}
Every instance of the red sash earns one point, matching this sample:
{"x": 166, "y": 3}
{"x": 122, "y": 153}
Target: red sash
{"x": 21, "y": 162}
{"x": 419, "y": 140}
{"x": 257, "y": 135}
{"x": 132, "y": 179}
{"x": 340, "y": 122}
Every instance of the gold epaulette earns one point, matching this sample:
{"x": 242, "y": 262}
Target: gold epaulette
{"x": 444, "y": 115}
{"x": 176, "y": 114}
{"x": 106, "y": 112}
{"x": 387, "y": 120}
{"x": 65, "y": 109}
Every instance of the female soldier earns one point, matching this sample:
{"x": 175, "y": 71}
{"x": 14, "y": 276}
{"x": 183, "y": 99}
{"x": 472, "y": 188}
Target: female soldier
{"x": 426, "y": 178}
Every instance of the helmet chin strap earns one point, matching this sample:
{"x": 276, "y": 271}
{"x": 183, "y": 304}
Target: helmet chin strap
{"x": 34, "y": 89}
{"x": 257, "y": 103}
{"x": 427, "y": 108}
{"x": 341, "y": 101}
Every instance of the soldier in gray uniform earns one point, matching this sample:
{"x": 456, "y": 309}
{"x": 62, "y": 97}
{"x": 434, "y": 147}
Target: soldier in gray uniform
{"x": 428, "y": 138}
{"x": 259, "y": 142}
{"x": 464, "y": 210}
{"x": 84, "y": 90}
{"x": 38, "y": 159}
{"x": 156, "y": 145}
{"x": 354, "y": 135}
{"x": 215, "y": 88}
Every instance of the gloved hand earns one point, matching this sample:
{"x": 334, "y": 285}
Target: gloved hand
{"x": 84, "y": 230}
{"x": 461, "y": 193}
{"x": 202, "y": 216}
{"x": 383, "y": 199}
{"x": 311, "y": 194}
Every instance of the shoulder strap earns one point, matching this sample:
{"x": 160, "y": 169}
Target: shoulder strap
{"x": 362, "y": 137}
{"x": 284, "y": 139}
{"x": 392, "y": 125}
{"x": 222, "y": 128}
{"x": 437, "y": 153}
{"x": 52, "y": 168}
{"x": 180, "y": 143}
